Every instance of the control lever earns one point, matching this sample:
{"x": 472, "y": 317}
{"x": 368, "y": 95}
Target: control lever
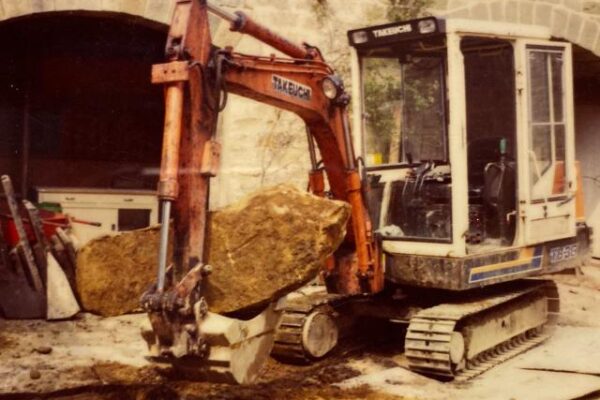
{"x": 567, "y": 200}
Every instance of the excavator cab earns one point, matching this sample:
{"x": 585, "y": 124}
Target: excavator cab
{"x": 467, "y": 136}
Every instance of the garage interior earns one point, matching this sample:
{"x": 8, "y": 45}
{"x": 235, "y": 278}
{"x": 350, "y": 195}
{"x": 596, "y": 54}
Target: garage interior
{"x": 587, "y": 133}
{"x": 77, "y": 108}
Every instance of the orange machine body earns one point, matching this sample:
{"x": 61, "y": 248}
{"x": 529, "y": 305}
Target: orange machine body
{"x": 293, "y": 84}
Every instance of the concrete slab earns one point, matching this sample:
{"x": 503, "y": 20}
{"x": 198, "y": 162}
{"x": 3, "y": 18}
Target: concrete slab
{"x": 570, "y": 349}
{"x": 574, "y": 351}
{"x": 502, "y": 383}
{"x": 529, "y": 385}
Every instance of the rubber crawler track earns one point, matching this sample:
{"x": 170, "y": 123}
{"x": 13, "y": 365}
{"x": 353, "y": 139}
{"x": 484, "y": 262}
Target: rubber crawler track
{"x": 429, "y": 334}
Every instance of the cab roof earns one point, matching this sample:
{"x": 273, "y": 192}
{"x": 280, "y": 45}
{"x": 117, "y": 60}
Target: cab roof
{"x": 421, "y": 28}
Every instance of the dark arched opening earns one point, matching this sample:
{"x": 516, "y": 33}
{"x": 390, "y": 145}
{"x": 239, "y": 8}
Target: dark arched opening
{"x": 77, "y": 107}
{"x": 586, "y": 79}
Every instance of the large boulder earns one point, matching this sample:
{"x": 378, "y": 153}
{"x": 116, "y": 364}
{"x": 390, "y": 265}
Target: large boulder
{"x": 113, "y": 271}
{"x": 260, "y": 248}
{"x": 268, "y": 244}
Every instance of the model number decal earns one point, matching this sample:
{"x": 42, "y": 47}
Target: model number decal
{"x": 563, "y": 253}
{"x": 291, "y": 88}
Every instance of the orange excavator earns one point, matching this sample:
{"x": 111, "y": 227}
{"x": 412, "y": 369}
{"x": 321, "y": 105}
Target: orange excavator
{"x": 447, "y": 223}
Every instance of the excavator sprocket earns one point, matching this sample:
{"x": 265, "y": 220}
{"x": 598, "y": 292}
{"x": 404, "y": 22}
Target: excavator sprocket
{"x": 461, "y": 340}
{"x": 308, "y": 328}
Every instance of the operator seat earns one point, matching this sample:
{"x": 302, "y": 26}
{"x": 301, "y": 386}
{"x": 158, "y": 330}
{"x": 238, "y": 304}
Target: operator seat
{"x": 480, "y": 152}
{"x": 499, "y": 199}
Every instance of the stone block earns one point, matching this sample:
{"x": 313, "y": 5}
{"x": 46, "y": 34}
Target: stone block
{"x": 159, "y": 10}
{"x": 133, "y": 7}
{"x": 574, "y": 5}
{"x": 230, "y": 3}
{"x": 574, "y": 27}
{"x": 460, "y": 13}
{"x": 17, "y": 8}
{"x": 542, "y": 14}
{"x": 439, "y": 6}
{"x": 591, "y": 7}
{"x": 589, "y": 35}
{"x": 525, "y": 12}
{"x": 596, "y": 49}
{"x": 261, "y": 248}
{"x": 263, "y": 3}
{"x": 247, "y": 5}
{"x": 453, "y": 5}
{"x": 284, "y": 243}
{"x": 67, "y": 5}
{"x": 221, "y": 34}
{"x": 232, "y": 184}
{"x": 497, "y": 11}
{"x": 114, "y": 271}
{"x": 558, "y": 25}
{"x": 480, "y": 11}
{"x": 42, "y": 5}
{"x": 511, "y": 11}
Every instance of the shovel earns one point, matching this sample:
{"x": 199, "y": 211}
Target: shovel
{"x": 22, "y": 292}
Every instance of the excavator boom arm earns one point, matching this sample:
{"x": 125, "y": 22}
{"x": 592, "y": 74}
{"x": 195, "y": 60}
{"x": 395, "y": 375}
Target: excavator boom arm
{"x": 194, "y": 76}
{"x": 298, "y": 88}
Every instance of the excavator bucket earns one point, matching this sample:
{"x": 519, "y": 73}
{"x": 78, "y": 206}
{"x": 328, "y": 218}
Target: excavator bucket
{"x": 204, "y": 345}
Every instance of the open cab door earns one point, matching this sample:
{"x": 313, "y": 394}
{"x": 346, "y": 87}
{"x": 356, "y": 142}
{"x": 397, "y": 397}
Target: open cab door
{"x": 546, "y": 175}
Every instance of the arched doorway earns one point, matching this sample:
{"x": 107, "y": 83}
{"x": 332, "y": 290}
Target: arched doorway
{"x": 76, "y": 104}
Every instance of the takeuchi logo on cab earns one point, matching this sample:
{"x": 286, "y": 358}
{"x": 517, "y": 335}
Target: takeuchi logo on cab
{"x": 393, "y": 30}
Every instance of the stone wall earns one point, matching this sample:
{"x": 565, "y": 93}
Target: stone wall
{"x": 158, "y": 11}
{"x": 263, "y": 145}
{"x": 575, "y": 20}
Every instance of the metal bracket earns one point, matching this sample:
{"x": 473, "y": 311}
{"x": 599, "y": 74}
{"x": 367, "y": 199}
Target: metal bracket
{"x": 175, "y": 71}
{"x": 211, "y": 158}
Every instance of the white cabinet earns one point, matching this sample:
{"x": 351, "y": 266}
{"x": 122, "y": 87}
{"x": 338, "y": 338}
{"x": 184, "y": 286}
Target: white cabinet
{"x": 114, "y": 209}
{"x": 594, "y": 221}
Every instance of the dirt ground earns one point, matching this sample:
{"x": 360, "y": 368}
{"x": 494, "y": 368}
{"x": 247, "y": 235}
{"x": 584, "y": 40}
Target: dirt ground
{"x": 103, "y": 358}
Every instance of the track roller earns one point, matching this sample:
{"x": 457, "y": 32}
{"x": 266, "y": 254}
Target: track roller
{"x": 308, "y": 329}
